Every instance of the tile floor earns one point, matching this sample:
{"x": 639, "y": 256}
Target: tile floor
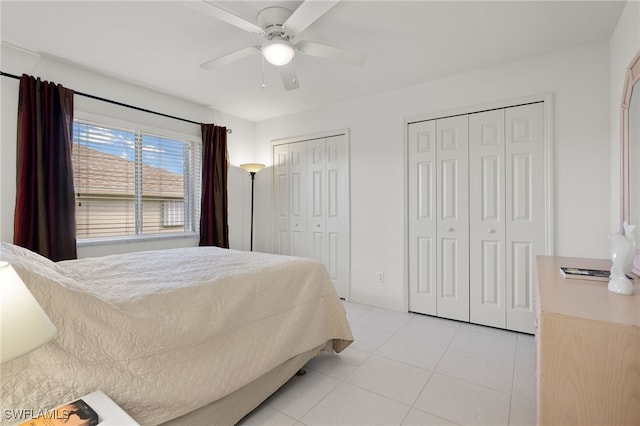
{"x": 409, "y": 369}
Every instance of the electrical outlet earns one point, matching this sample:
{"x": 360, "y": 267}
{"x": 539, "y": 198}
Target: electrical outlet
{"x": 380, "y": 277}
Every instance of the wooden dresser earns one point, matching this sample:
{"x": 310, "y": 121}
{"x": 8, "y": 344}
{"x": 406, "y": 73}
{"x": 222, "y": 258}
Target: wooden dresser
{"x": 588, "y": 348}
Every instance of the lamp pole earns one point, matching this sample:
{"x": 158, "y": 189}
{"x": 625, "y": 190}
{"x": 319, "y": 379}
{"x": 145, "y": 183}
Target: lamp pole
{"x": 253, "y": 178}
{"x": 252, "y": 168}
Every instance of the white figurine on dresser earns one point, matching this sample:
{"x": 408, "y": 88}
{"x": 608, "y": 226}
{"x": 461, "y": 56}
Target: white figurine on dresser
{"x": 622, "y": 249}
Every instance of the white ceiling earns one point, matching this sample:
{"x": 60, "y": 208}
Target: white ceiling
{"x": 160, "y": 44}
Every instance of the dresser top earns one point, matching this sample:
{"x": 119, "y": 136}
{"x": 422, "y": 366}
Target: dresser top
{"x": 583, "y": 298}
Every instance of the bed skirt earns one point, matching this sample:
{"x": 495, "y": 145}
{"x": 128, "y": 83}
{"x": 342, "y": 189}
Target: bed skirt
{"x": 233, "y": 407}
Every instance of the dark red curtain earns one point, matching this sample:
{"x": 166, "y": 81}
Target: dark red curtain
{"x": 45, "y": 218}
{"x": 214, "y": 224}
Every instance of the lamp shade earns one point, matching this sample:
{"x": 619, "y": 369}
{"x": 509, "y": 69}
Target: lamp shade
{"x": 24, "y": 326}
{"x": 252, "y": 167}
{"x": 278, "y": 52}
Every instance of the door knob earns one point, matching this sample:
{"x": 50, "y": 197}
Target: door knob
{"x": 491, "y": 231}
{"x": 449, "y": 229}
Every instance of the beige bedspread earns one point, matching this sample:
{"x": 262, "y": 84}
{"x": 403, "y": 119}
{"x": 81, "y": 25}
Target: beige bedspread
{"x": 166, "y": 332}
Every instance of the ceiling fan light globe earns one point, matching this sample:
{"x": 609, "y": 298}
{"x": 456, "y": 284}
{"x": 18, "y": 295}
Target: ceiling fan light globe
{"x": 278, "y": 53}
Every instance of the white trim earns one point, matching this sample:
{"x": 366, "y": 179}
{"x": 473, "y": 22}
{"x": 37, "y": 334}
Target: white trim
{"x": 106, "y": 120}
{"x": 405, "y": 218}
{"x": 91, "y": 242}
{"x": 377, "y": 300}
{"x": 310, "y": 136}
{"x": 543, "y": 97}
{"x": 549, "y": 237}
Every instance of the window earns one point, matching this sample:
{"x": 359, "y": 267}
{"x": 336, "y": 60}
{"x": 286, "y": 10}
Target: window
{"x": 129, "y": 183}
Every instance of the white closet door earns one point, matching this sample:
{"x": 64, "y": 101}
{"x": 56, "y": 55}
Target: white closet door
{"x": 316, "y": 199}
{"x": 422, "y": 217}
{"x": 452, "y": 206}
{"x": 525, "y": 210}
{"x": 311, "y": 190}
{"x": 337, "y": 212}
{"x": 281, "y": 198}
{"x": 298, "y": 199}
{"x": 486, "y": 218}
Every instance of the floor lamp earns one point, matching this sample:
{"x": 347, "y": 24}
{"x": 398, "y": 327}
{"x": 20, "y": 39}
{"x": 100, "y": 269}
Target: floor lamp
{"x": 252, "y": 168}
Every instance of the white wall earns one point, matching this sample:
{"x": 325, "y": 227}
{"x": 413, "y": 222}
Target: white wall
{"x": 624, "y": 44}
{"x": 579, "y": 81}
{"x": 240, "y": 142}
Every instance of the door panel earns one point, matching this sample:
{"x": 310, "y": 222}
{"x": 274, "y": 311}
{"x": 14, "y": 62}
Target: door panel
{"x": 426, "y": 186}
{"x": 524, "y": 210}
{"x": 452, "y": 227}
{"x": 449, "y": 188}
{"x": 426, "y": 269}
{"x": 281, "y": 198}
{"x": 521, "y": 279}
{"x": 316, "y": 193}
{"x": 422, "y": 219}
{"x": 486, "y": 221}
{"x": 298, "y": 199}
{"x": 333, "y": 261}
{"x": 521, "y": 188}
{"x": 337, "y": 212}
{"x": 449, "y": 264}
{"x": 492, "y": 273}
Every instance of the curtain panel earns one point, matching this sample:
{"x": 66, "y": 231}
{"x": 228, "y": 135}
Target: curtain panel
{"x": 44, "y": 218}
{"x": 214, "y": 224}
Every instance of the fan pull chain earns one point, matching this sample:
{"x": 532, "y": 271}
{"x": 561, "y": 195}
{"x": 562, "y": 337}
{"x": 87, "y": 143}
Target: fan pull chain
{"x": 295, "y": 67}
{"x": 263, "y": 85}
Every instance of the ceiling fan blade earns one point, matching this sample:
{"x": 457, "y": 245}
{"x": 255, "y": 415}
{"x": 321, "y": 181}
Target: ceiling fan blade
{"x": 306, "y": 14}
{"x": 217, "y": 12}
{"x": 229, "y": 58}
{"x": 331, "y": 53}
{"x": 288, "y": 75}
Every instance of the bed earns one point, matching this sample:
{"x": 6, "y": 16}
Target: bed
{"x": 196, "y": 335}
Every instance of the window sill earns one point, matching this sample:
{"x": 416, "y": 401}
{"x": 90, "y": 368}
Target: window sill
{"x": 92, "y": 242}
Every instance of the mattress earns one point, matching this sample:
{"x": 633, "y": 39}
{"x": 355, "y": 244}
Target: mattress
{"x": 166, "y": 332}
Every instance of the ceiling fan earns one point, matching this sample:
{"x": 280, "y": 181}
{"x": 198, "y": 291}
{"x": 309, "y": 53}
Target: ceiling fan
{"x": 279, "y": 26}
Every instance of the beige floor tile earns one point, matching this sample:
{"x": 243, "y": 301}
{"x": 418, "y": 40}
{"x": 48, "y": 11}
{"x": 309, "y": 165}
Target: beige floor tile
{"x": 393, "y": 379}
{"x": 464, "y": 403}
{"x": 350, "y": 405}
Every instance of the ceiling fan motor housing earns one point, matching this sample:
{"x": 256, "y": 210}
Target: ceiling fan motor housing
{"x": 272, "y": 19}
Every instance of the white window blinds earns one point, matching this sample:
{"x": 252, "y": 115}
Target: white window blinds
{"x": 130, "y": 183}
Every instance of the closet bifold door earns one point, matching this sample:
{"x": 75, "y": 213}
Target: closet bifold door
{"x": 452, "y": 211}
{"x": 337, "y": 212}
{"x": 281, "y": 198}
{"x": 422, "y": 216}
{"x": 525, "y": 210}
{"x": 311, "y": 203}
{"x": 327, "y": 197}
{"x": 315, "y": 191}
{"x": 487, "y": 304}
{"x": 439, "y": 217}
{"x": 298, "y": 203}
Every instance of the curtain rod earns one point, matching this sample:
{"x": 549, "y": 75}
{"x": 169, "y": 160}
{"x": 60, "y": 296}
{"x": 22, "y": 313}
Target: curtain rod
{"x": 98, "y": 98}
